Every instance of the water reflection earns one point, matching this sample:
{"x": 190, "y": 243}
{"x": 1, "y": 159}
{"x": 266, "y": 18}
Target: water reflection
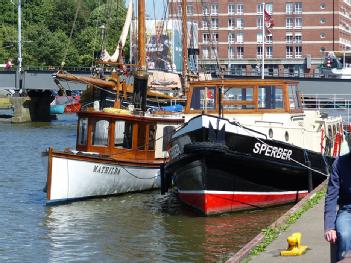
{"x": 146, "y": 227}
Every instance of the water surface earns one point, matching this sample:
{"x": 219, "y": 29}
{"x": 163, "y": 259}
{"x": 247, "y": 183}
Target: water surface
{"x": 143, "y": 227}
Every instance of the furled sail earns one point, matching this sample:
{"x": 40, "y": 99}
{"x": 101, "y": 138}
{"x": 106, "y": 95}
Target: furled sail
{"x": 122, "y": 39}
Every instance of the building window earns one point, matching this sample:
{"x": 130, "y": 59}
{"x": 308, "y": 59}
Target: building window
{"x": 289, "y": 38}
{"x": 289, "y": 22}
{"x": 214, "y": 53}
{"x": 289, "y": 52}
{"x": 214, "y": 9}
{"x": 231, "y": 9}
{"x": 322, "y": 49}
{"x": 215, "y": 37}
{"x": 269, "y": 39}
{"x": 289, "y": 8}
{"x": 322, "y": 20}
{"x": 205, "y": 10}
{"x": 230, "y": 52}
{"x": 240, "y": 9}
{"x": 189, "y": 10}
{"x": 214, "y": 22}
{"x": 205, "y": 53}
{"x": 298, "y": 38}
{"x": 322, "y": 6}
{"x": 231, "y": 23}
{"x": 259, "y": 9}
{"x": 205, "y": 24}
{"x": 322, "y": 35}
{"x": 240, "y": 37}
{"x": 240, "y": 52}
{"x": 205, "y": 38}
{"x": 269, "y": 8}
{"x": 298, "y": 22}
{"x": 259, "y": 37}
{"x": 259, "y": 52}
{"x": 179, "y": 10}
{"x": 298, "y": 8}
{"x": 269, "y": 51}
{"x": 259, "y": 22}
{"x": 231, "y": 38}
{"x": 239, "y": 23}
{"x": 298, "y": 52}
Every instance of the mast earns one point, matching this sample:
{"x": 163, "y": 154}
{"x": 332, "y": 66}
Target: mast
{"x": 19, "y": 25}
{"x": 141, "y": 34}
{"x": 263, "y": 38}
{"x": 184, "y": 44}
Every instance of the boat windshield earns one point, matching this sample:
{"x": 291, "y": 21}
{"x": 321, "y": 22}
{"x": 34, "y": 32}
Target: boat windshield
{"x": 123, "y": 134}
{"x": 203, "y": 98}
{"x": 100, "y": 133}
{"x": 83, "y": 131}
{"x": 294, "y": 97}
{"x": 270, "y": 97}
{"x": 244, "y": 97}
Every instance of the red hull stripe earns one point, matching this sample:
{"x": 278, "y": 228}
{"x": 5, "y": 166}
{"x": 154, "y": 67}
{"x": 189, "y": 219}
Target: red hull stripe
{"x": 214, "y": 202}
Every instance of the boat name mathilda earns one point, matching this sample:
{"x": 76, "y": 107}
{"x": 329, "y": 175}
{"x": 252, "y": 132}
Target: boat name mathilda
{"x": 272, "y": 151}
{"x": 102, "y": 169}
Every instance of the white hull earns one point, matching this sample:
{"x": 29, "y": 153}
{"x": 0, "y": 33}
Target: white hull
{"x": 71, "y": 179}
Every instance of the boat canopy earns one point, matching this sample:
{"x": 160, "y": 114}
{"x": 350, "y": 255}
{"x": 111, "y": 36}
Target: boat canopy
{"x": 243, "y": 96}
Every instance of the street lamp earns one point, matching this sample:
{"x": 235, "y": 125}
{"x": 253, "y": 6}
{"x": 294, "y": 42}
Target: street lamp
{"x": 103, "y": 30}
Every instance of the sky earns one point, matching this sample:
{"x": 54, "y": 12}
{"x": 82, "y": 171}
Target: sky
{"x": 159, "y": 6}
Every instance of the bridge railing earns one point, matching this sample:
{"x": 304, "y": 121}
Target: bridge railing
{"x": 48, "y": 68}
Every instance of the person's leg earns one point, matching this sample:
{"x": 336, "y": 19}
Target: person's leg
{"x": 343, "y": 232}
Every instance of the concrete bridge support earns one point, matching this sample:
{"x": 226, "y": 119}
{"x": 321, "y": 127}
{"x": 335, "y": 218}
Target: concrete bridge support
{"x": 34, "y": 107}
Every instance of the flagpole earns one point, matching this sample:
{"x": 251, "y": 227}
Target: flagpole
{"x": 263, "y": 39}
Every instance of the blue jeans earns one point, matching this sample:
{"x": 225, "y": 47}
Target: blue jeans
{"x": 343, "y": 232}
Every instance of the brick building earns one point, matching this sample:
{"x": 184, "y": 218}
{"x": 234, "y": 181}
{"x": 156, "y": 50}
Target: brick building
{"x": 230, "y": 33}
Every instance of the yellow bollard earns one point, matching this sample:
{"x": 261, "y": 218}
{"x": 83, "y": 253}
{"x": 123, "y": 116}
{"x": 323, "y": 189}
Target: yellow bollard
{"x": 294, "y": 248}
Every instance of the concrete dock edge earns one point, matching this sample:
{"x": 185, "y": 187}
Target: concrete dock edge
{"x": 244, "y": 251}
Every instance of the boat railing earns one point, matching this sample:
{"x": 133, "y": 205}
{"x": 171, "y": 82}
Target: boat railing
{"x": 334, "y": 104}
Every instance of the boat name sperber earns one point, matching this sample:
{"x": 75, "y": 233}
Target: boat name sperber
{"x": 102, "y": 169}
{"x": 272, "y": 151}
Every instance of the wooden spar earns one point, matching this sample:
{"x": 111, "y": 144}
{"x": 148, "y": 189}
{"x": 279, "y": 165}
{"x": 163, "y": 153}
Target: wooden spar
{"x": 141, "y": 34}
{"x": 110, "y": 84}
{"x": 185, "y": 45}
{"x": 87, "y": 80}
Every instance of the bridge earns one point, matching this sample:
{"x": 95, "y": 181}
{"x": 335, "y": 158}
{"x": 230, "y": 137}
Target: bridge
{"x": 41, "y": 79}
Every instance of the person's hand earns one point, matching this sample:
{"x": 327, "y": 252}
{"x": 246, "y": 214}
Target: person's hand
{"x": 330, "y": 236}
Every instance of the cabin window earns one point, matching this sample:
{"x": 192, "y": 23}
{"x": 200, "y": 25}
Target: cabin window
{"x": 294, "y": 98}
{"x": 83, "y": 131}
{"x": 152, "y": 134}
{"x": 270, "y": 97}
{"x": 203, "y": 98}
{"x": 167, "y": 136}
{"x": 123, "y": 134}
{"x": 100, "y": 133}
{"x": 238, "y": 98}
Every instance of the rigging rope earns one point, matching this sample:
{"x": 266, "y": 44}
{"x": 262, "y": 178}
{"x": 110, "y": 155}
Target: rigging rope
{"x": 70, "y": 35}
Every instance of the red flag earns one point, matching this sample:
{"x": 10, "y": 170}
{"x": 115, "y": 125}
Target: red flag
{"x": 268, "y": 21}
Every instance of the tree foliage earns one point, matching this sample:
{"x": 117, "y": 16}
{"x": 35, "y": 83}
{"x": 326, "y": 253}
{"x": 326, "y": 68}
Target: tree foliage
{"x": 56, "y": 31}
